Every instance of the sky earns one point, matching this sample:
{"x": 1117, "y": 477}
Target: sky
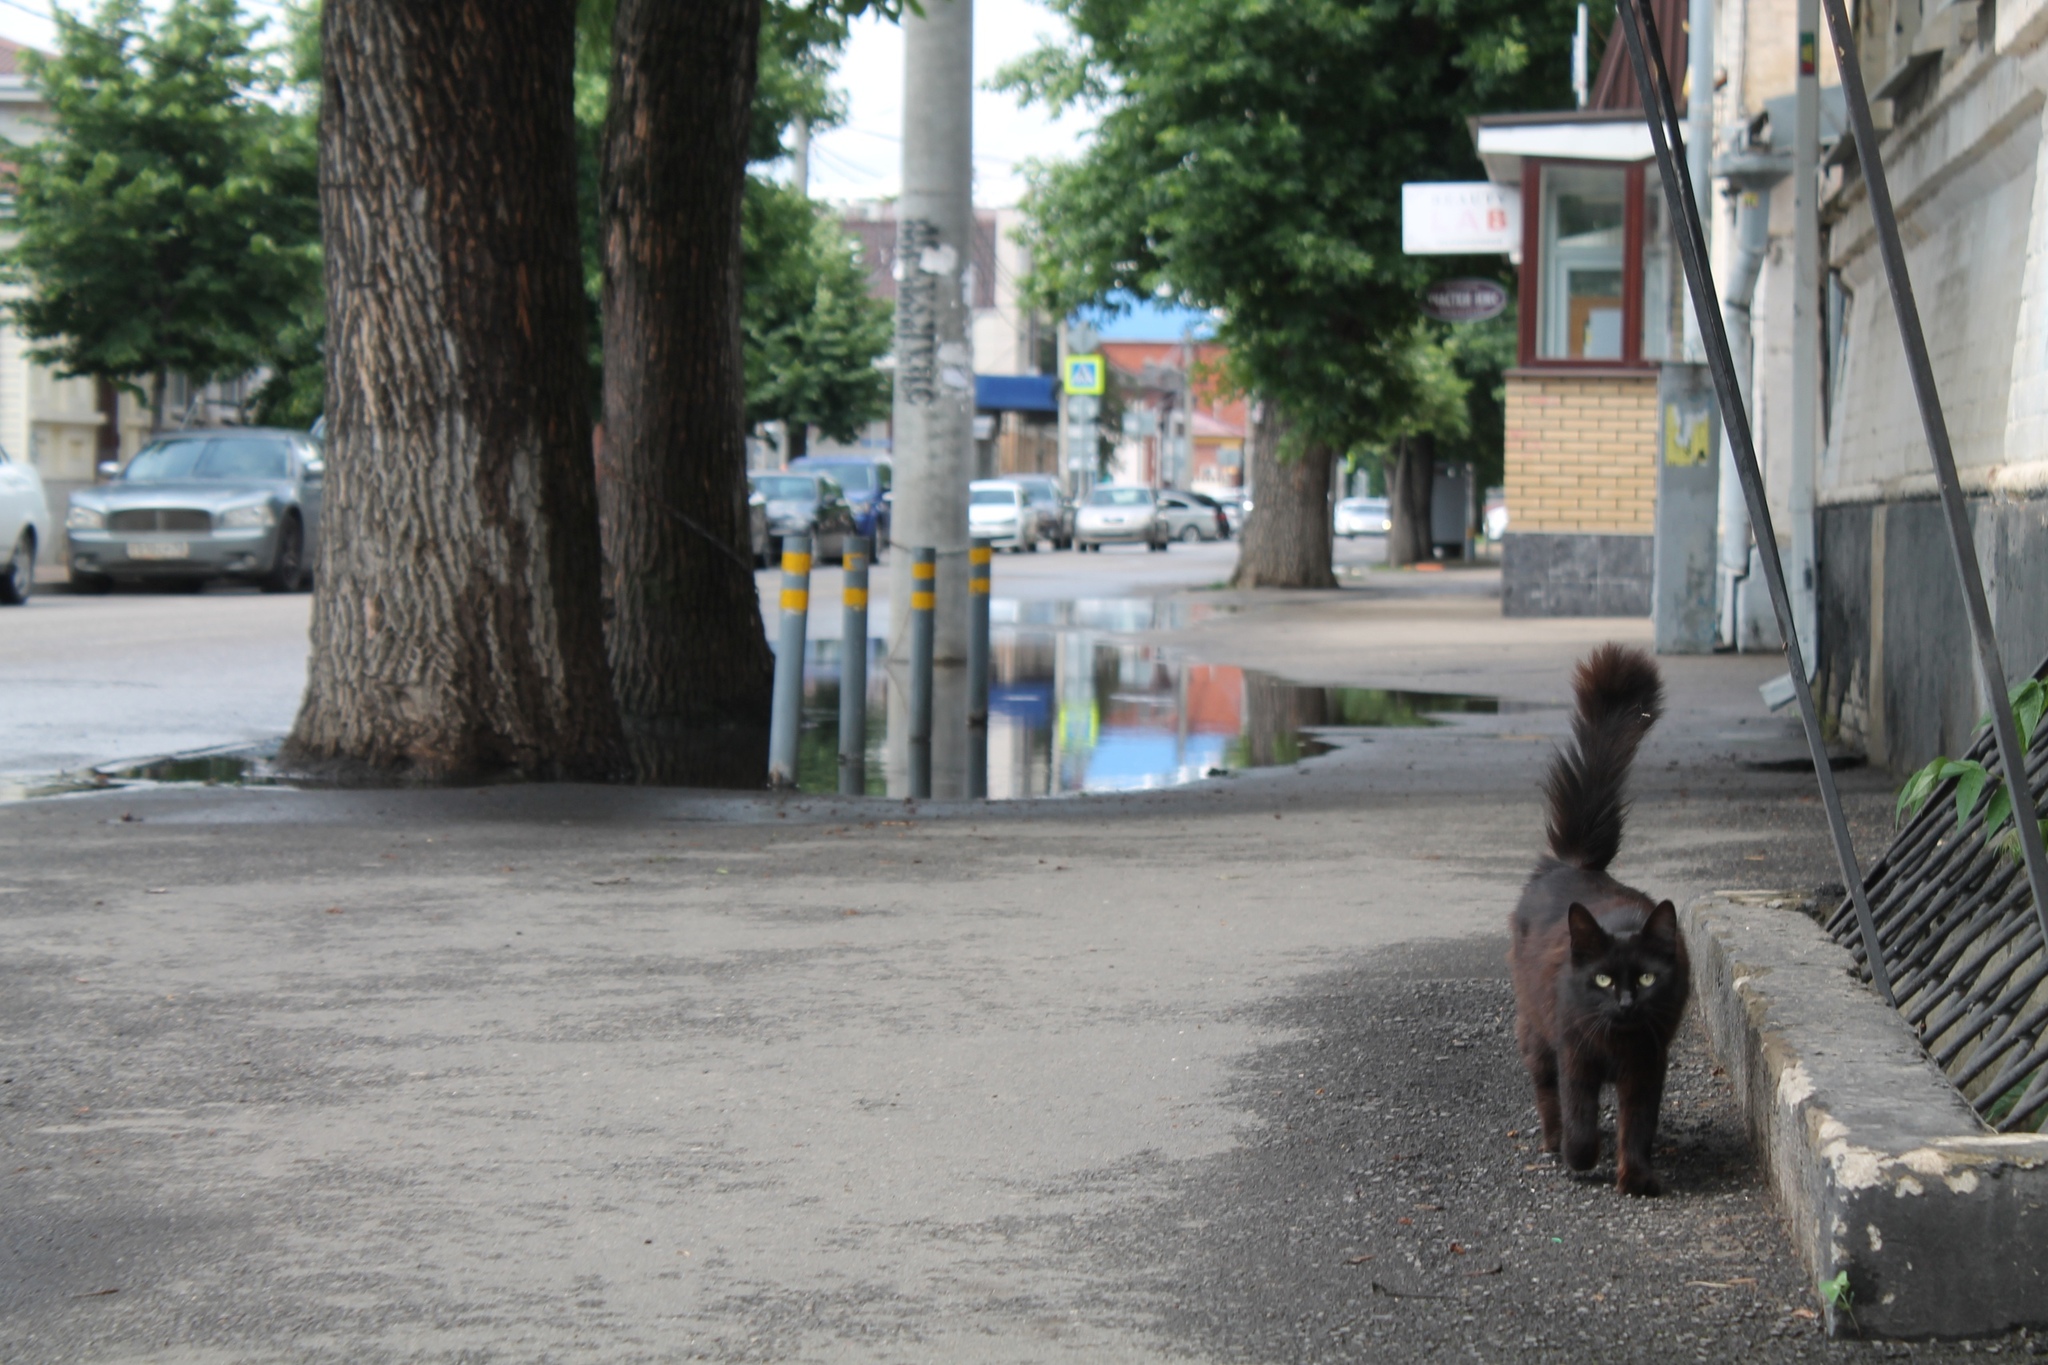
{"x": 860, "y": 160}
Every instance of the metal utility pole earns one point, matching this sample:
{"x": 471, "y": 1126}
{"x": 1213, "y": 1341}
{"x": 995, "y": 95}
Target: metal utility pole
{"x": 800, "y": 155}
{"x": 1805, "y": 333}
{"x": 934, "y": 387}
{"x": 934, "y": 401}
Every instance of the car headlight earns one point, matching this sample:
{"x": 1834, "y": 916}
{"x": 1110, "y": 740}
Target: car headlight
{"x": 253, "y": 514}
{"x": 86, "y": 519}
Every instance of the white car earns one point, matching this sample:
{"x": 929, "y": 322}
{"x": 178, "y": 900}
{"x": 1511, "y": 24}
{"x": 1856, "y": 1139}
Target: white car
{"x": 1117, "y": 513}
{"x": 1001, "y": 511}
{"x": 1363, "y": 517}
{"x": 24, "y": 527}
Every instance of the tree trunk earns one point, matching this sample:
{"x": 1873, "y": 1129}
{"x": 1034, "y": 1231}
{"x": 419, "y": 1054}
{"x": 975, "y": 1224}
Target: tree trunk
{"x": 690, "y": 662}
{"x": 1286, "y": 540}
{"x": 456, "y": 630}
{"x": 1409, "y": 486}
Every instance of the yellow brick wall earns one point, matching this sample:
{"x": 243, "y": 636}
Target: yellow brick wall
{"x": 1582, "y": 454}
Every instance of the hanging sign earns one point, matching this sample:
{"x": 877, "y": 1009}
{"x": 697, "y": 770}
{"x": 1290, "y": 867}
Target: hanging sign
{"x": 1460, "y": 218}
{"x": 1464, "y": 300}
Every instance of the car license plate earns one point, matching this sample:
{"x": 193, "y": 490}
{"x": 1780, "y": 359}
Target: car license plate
{"x": 160, "y": 549}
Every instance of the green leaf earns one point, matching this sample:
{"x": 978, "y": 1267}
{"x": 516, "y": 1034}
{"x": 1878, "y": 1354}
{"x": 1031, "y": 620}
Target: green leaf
{"x": 2029, "y": 700}
{"x": 1969, "y": 787}
{"x": 1999, "y": 810}
{"x": 1919, "y": 787}
{"x": 1835, "y": 1289}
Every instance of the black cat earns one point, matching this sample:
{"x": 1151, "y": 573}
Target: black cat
{"x": 1601, "y": 977}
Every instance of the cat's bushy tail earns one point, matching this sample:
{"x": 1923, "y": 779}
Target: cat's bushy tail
{"x": 1619, "y": 696}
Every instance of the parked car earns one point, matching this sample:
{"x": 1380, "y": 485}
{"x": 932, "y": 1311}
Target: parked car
{"x": 1236, "y": 507}
{"x": 760, "y": 544}
{"x": 809, "y": 504}
{"x": 1120, "y": 513}
{"x": 1190, "y": 516}
{"x": 1215, "y": 508}
{"x": 1363, "y": 517}
{"x": 1055, "y": 509}
{"x": 1000, "y": 510}
{"x": 864, "y": 479}
{"x": 24, "y": 528}
{"x": 1495, "y": 517}
{"x": 238, "y": 502}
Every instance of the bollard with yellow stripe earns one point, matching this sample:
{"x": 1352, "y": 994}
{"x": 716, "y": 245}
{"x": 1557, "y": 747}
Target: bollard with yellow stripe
{"x": 924, "y": 599}
{"x": 786, "y": 717}
{"x": 980, "y": 556}
{"x": 853, "y": 668}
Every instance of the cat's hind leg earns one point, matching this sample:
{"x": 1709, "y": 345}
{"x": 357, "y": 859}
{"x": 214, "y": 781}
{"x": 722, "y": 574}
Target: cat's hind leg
{"x": 1541, "y": 1060}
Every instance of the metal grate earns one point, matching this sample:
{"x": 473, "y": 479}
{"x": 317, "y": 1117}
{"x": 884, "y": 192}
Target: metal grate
{"x": 1957, "y": 928}
{"x": 160, "y": 519}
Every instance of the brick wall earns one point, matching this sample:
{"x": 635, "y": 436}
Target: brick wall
{"x": 1582, "y": 454}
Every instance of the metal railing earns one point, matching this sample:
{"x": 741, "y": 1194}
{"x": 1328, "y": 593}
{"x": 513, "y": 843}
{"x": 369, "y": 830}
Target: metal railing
{"x": 1960, "y": 940}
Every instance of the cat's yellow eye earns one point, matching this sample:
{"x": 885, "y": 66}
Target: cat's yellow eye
{"x": 1646, "y": 979}
{"x": 1603, "y": 981}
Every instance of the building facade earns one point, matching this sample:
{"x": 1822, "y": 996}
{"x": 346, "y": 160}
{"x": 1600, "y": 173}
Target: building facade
{"x": 1963, "y": 87}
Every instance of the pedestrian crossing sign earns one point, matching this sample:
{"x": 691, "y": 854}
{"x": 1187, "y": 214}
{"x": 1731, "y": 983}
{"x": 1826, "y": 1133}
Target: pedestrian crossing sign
{"x": 1086, "y": 374}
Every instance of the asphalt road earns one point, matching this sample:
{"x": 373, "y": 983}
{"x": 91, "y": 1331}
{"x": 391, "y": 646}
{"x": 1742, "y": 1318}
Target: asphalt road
{"x": 1221, "y": 1073}
{"x": 139, "y": 674}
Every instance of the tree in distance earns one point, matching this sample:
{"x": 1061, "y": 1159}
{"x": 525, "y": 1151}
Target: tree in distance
{"x": 1249, "y": 160}
{"x": 811, "y": 332}
{"x": 169, "y": 221}
{"x": 690, "y": 663}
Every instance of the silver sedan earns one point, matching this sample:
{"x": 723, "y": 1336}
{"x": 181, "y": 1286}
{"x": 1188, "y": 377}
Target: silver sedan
{"x": 197, "y": 505}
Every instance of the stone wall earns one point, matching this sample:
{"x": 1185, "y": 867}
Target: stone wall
{"x": 1897, "y": 668}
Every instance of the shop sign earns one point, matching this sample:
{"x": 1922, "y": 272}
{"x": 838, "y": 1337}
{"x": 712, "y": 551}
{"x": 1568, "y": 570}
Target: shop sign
{"x": 1464, "y": 300}
{"x": 1460, "y": 218}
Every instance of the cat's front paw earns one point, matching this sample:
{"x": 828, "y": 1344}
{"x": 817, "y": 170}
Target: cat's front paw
{"x": 1640, "y": 1181}
{"x": 1581, "y": 1153}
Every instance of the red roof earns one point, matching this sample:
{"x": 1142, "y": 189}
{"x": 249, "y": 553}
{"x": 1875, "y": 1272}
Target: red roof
{"x": 10, "y": 57}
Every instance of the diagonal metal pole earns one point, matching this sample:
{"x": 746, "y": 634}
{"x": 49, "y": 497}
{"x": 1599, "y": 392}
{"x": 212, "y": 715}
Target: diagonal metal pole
{"x": 2012, "y": 755}
{"x": 1661, "y": 110}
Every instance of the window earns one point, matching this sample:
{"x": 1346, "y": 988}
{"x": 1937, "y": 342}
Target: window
{"x": 1585, "y": 231}
{"x": 1598, "y": 270}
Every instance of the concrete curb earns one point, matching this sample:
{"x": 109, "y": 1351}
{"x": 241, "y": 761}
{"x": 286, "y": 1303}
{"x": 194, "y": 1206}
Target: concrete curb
{"x": 1879, "y": 1165}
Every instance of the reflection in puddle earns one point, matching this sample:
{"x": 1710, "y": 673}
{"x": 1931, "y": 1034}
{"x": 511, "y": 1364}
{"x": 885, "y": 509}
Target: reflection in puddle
{"x": 1075, "y": 705}
{"x": 1073, "y": 711}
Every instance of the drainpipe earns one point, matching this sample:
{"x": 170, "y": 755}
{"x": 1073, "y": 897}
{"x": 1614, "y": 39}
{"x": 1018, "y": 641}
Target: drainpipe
{"x": 1750, "y": 170}
{"x": 1805, "y": 570}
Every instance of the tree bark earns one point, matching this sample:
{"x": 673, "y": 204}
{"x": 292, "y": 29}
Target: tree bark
{"x": 690, "y": 661}
{"x": 456, "y": 630}
{"x": 1409, "y": 488}
{"x": 1287, "y": 538}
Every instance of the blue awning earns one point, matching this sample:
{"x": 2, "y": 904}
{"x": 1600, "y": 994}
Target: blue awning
{"x": 1016, "y": 393}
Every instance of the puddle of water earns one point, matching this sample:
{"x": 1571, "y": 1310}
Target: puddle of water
{"x": 1073, "y": 711}
{"x": 1075, "y": 705}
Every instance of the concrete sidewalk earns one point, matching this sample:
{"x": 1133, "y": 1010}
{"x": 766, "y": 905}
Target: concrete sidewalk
{"x": 1222, "y": 1073}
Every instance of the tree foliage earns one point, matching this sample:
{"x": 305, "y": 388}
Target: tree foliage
{"x": 812, "y": 333}
{"x": 169, "y": 222}
{"x": 1250, "y": 159}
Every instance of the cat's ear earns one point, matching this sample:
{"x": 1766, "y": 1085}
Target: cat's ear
{"x": 1589, "y": 940}
{"x": 1660, "y": 930}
